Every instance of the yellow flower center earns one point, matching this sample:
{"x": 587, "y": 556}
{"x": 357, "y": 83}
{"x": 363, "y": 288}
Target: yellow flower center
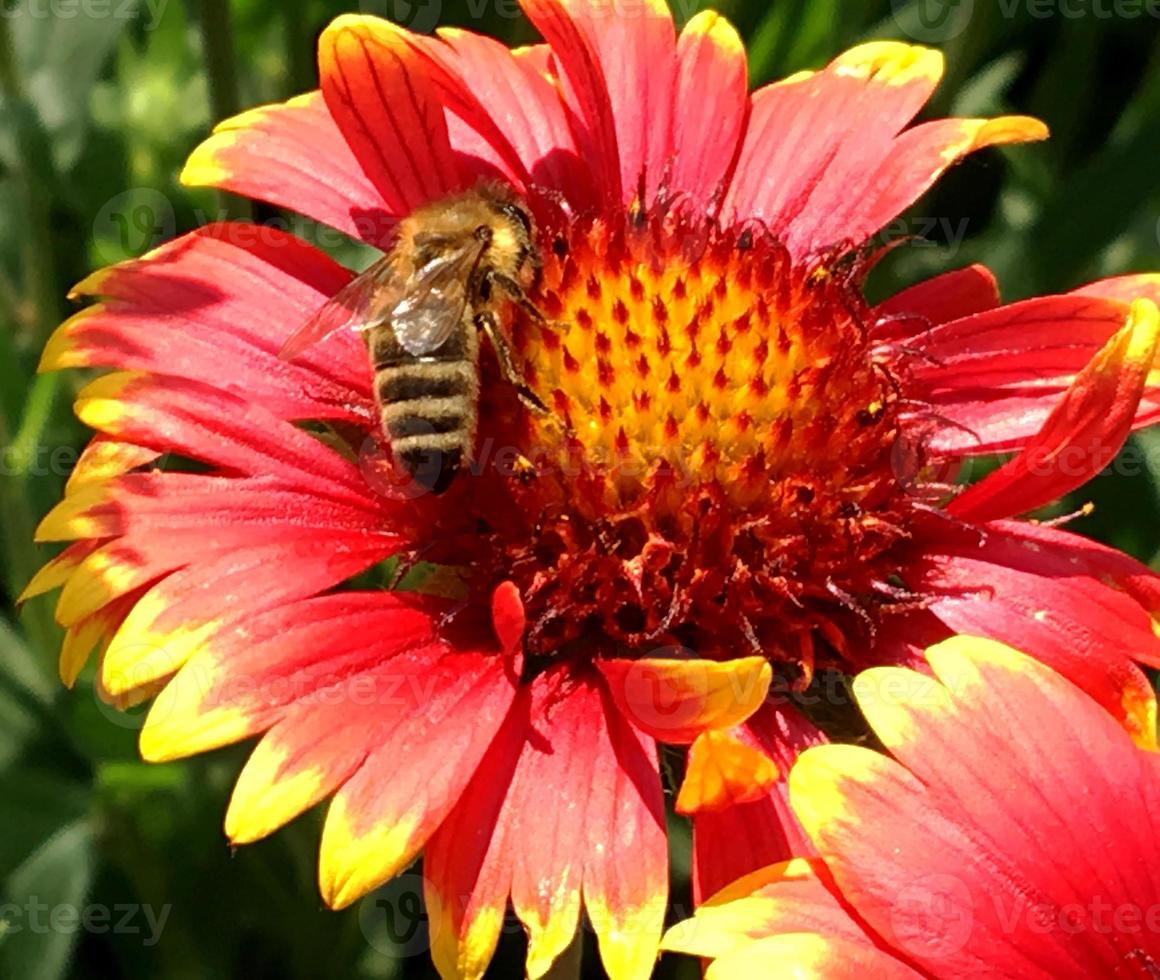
{"x": 706, "y": 353}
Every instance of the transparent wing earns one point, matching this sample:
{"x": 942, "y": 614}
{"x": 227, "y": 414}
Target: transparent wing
{"x": 436, "y": 297}
{"x": 360, "y": 304}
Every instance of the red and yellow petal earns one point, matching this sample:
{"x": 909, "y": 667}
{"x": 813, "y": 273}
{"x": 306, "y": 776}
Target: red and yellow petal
{"x": 413, "y": 773}
{"x": 246, "y": 677}
{"x": 1085, "y": 629}
{"x": 675, "y": 700}
{"x": 293, "y": 155}
{"x": 467, "y": 864}
{"x": 984, "y": 875}
{"x": 707, "y": 119}
{"x": 226, "y": 293}
{"x": 786, "y": 919}
{"x": 995, "y": 377}
{"x": 812, "y": 135}
{"x": 566, "y": 810}
{"x": 916, "y": 159}
{"x": 722, "y": 771}
{"x": 626, "y": 860}
{"x": 378, "y": 91}
{"x": 1084, "y": 431}
{"x": 730, "y": 842}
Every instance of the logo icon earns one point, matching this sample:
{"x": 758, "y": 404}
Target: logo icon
{"x": 420, "y": 16}
{"x": 932, "y": 21}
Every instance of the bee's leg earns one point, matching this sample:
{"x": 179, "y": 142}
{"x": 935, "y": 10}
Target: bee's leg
{"x": 517, "y": 295}
{"x": 486, "y": 322}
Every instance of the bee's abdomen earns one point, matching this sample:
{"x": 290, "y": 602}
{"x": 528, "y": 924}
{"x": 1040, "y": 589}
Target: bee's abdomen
{"x": 428, "y": 413}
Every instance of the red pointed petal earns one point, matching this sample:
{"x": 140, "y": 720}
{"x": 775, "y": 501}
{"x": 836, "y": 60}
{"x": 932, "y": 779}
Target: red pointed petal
{"x": 377, "y": 89}
{"x": 468, "y": 861}
{"x": 551, "y": 813}
{"x": 636, "y": 54}
{"x": 950, "y": 296}
{"x": 293, "y": 155}
{"x": 246, "y": 676}
{"x": 173, "y": 619}
{"x": 1082, "y": 434}
{"x": 513, "y": 115}
{"x": 205, "y": 423}
{"x": 916, "y": 159}
{"x": 995, "y": 376}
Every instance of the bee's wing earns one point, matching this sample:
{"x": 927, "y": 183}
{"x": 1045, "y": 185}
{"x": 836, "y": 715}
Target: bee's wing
{"x": 359, "y": 305}
{"x": 436, "y": 297}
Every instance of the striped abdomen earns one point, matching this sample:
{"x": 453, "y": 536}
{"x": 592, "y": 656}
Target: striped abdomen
{"x": 428, "y": 405}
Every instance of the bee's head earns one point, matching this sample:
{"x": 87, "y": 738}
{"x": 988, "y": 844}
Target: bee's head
{"x": 513, "y": 241}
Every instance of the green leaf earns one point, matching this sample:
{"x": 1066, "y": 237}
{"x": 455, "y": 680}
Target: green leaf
{"x": 44, "y": 905}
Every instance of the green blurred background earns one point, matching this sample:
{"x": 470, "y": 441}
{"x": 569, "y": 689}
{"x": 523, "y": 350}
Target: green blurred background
{"x": 101, "y": 100}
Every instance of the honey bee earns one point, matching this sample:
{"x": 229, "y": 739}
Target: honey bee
{"x": 453, "y": 266}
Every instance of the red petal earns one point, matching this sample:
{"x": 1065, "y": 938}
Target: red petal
{"x": 995, "y": 376}
{"x": 550, "y": 814}
{"x": 636, "y": 54}
{"x": 735, "y": 841}
{"x": 420, "y": 761}
{"x": 468, "y": 861}
{"x": 173, "y": 619}
{"x": 950, "y": 296}
{"x": 1079, "y": 626}
{"x": 626, "y": 858}
{"x": 950, "y": 866}
{"x": 574, "y": 35}
{"x": 518, "y": 122}
{"x": 814, "y": 134}
{"x": 227, "y": 293}
{"x": 378, "y": 90}
{"x": 292, "y": 154}
{"x": 245, "y": 677}
{"x": 867, "y": 201}
{"x": 1125, "y": 289}
{"x": 711, "y": 103}
{"x": 187, "y": 417}
{"x": 1082, "y": 434}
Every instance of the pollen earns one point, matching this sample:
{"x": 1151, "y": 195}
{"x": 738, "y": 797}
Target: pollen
{"x": 717, "y": 465}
